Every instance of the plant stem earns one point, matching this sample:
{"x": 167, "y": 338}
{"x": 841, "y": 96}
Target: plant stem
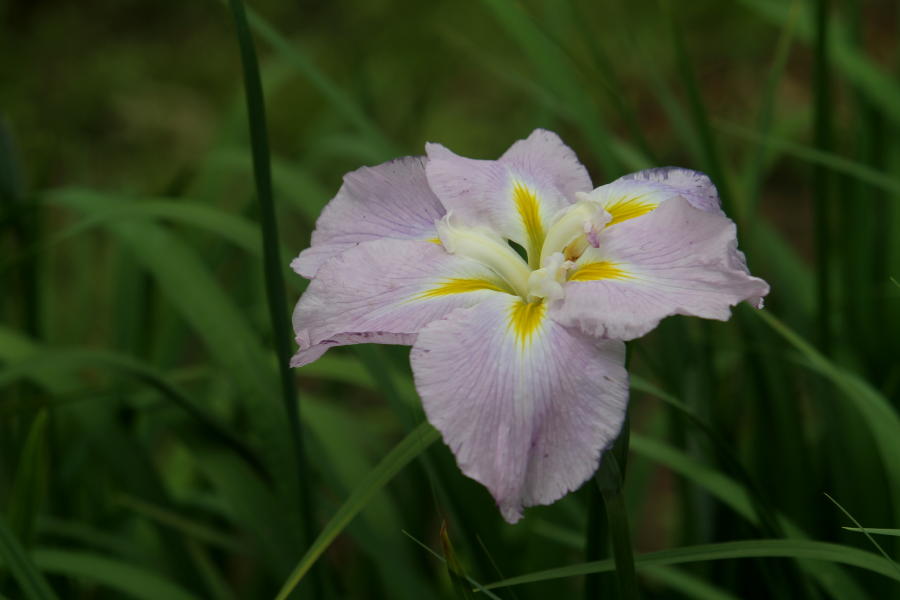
{"x": 275, "y": 289}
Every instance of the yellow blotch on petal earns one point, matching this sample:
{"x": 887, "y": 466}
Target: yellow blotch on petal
{"x": 525, "y": 318}
{"x": 460, "y": 286}
{"x": 599, "y": 270}
{"x": 530, "y": 214}
{"x": 434, "y": 240}
{"x": 628, "y": 208}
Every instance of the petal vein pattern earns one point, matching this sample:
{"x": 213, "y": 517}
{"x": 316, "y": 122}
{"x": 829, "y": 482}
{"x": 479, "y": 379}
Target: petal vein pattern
{"x": 384, "y": 291}
{"x": 525, "y": 319}
{"x": 392, "y": 200}
{"x": 675, "y": 260}
{"x": 528, "y": 421}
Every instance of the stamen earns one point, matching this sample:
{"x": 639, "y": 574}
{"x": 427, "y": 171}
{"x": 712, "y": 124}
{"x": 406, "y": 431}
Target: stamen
{"x": 484, "y": 246}
{"x": 572, "y": 225}
{"x": 547, "y": 282}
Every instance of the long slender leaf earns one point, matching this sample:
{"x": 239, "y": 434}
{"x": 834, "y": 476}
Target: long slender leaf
{"x": 128, "y": 580}
{"x": 799, "y": 549}
{"x": 879, "y": 415}
{"x": 412, "y": 445}
{"x": 272, "y": 265}
{"x": 30, "y": 579}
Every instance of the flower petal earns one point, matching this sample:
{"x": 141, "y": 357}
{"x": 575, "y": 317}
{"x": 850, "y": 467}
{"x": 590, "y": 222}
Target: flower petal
{"x": 640, "y": 193}
{"x": 391, "y": 200}
{"x": 525, "y": 404}
{"x": 544, "y": 151}
{"x": 695, "y": 186}
{"x": 516, "y": 195}
{"x": 385, "y": 291}
{"x": 676, "y": 260}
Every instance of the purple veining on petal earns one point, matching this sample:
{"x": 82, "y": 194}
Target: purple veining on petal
{"x": 528, "y": 422}
{"x": 676, "y": 259}
{"x": 392, "y": 200}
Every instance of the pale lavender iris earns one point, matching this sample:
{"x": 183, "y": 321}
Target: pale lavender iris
{"x": 519, "y": 361}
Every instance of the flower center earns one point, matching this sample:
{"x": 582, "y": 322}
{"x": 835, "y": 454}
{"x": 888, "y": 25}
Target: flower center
{"x": 572, "y": 230}
{"x": 486, "y": 247}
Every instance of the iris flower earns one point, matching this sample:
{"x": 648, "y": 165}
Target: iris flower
{"x": 516, "y": 283}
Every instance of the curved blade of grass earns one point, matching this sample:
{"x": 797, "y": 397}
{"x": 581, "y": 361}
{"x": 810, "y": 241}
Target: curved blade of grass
{"x": 409, "y": 448}
{"x": 798, "y": 549}
{"x": 128, "y": 580}
{"x": 478, "y": 586}
{"x": 609, "y": 480}
{"x": 765, "y": 513}
{"x": 337, "y": 98}
{"x": 186, "y": 526}
{"x": 881, "y": 88}
{"x": 560, "y": 75}
{"x": 830, "y": 577}
{"x": 861, "y": 528}
{"x": 689, "y": 585}
{"x": 49, "y": 365}
{"x": 26, "y": 573}
{"x": 832, "y": 161}
{"x": 822, "y": 183}
{"x": 699, "y": 113}
{"x": 874, "y": 530}
{"x": 30, "y": 483}
{"x": 879, "y": 415}
{"x": 754, "y": 165}
{"x": 455, "y": 570}
{"x": 272, "y": 265}
{"x": 720, "y": 486}
{"x": 192, "y": 290}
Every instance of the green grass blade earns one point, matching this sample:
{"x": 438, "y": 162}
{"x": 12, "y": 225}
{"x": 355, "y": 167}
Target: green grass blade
{"x": 26, "y": 573}
{"x": 720, "y": 486}
{"x": 832, "y": 161}
{"x": 879, "y": 415}
{"x": 874, "y": 530}
{"x": 412, "y": 446}
{"x": 51, "y": 366}
{"x": 609, "y": 479}
{"x": 126, "y": 579}
{"x": 30, "y": 483}
{"x": 424, "y": 546}
{"x": 830, "y": 577}
{"x": 861, "y": 528}
{"x": 272, "y": 266}
{"x": 699, "y": 114}
{"x": 184, "y": 525}
{"x": 688, "y": 585}
{"x": 337, "y": 98}
{"x": 797, "y": 549}
{"x": 822, "y": 183}
{"x": 559, "y": 75}
{"x": 455, "y": 570}
{"x": 881, "y": 88}
{"x": 754, "y": 169}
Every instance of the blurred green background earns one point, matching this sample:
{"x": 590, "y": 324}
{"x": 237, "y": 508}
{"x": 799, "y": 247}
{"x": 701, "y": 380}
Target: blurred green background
{"x": 145, "y": 450}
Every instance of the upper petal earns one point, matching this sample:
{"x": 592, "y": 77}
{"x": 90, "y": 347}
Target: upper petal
{"x": 517, "y": 195}
{"x": 676, "y": 260}
{"x": 525, "y": 404}
{"x": 639, "y": 193}
{"x": 385, "y": 291}
{"x": 544, "y": 152}
{"x": 695, "y": 186}
{"x": 391, "y": 200}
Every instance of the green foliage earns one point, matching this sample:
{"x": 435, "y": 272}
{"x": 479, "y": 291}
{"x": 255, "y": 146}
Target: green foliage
{"x": 151, "y": 445}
